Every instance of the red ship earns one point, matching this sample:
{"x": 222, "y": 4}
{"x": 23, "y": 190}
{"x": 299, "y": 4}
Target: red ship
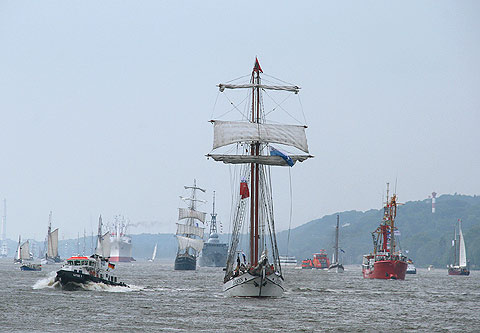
{"x": 385, "y": 262}
{"x": 320, "y": 260}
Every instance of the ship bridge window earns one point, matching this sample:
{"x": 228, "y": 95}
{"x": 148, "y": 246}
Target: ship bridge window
{"x": 77, "y": 262}
{"x": 91, "y": 263}
{"x": 70, "y": 262}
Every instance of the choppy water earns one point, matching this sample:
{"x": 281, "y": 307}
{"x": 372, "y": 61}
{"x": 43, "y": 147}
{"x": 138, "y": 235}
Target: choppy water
{"x": 162, "y": 299}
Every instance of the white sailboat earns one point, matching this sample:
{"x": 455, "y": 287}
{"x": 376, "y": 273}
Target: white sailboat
{"x": 154, "y": 254}
{"x": 51, "y": 253}
{"x": 259, "y": 273}
{"x": 103, "y": 241}
{"x": 459, "y": 267}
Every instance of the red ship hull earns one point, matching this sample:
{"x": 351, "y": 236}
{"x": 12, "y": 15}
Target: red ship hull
{"x": 386, "y": 269}
{"x": 121, "y": 259}
{"x": 458, "y": 271}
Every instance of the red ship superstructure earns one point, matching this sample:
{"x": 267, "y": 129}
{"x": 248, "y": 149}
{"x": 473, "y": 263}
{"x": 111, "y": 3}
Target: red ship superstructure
{"x": 320, "y": 260}
{"x": 385, "y": 262}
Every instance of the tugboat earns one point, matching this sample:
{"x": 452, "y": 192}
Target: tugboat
{"x": 460, "y": 268}
{"x": 307, "y": 264}
{"x": 320, "y": 260}
{"x": 93, "y": 269}
{"x": 385, "y": 262}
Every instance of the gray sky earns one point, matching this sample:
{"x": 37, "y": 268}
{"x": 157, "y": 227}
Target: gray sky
{"x": 104, "y": 105}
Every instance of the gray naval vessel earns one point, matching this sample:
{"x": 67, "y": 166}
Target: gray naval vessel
{"x": 214, "y": 253}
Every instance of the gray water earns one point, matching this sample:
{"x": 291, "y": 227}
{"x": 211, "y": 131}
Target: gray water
{"x": 161, "y": 299}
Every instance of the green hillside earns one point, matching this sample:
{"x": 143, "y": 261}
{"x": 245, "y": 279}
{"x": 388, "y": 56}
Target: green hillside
{"x": 426, "y": 236}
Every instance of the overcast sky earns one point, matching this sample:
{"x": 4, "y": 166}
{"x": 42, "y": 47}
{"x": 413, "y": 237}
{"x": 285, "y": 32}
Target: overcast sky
{"x": 104, "y": 105}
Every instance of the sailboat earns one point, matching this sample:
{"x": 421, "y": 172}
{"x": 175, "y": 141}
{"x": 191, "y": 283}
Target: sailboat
{"x": 335, "y": 266}
{"x": 51, "y": 254}
{"x": 214, "y": 253}
{"x": 385, "y": 262}
{"x": 189, "y": 234}
{"x": 258, "y": 273}
{"x": 460, "y": 267}
{"x": 154, "y": 254}
{"x": 23, "y": 251}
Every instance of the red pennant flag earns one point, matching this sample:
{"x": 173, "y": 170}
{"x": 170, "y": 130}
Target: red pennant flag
{"x": 257, "y": 67}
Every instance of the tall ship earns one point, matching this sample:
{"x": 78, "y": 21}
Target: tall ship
{"x": 51, "y": 253}
{"x": 385, "y": 262}
{"x": 336, "y": 266}
{"x": 120, "y": 242}
{"x": 249, "y": 143}
{"x": 460, "y": 264}
{"x": 189, "y": 233}
{"x": 214, "y": 253}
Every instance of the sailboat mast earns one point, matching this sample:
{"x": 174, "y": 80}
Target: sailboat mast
{"x": 455, "y": 249}
{"x": 336, "y": 241}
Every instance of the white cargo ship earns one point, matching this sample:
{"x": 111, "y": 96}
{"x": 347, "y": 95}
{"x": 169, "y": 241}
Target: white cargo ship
{"x": 120, "y": 242}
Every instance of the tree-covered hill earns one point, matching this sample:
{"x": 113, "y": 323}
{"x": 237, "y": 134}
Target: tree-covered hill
{"x": 426, "y": 236}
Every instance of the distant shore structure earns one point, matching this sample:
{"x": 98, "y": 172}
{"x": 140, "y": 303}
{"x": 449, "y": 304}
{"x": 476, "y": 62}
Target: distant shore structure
{"x": 434, "y": 195}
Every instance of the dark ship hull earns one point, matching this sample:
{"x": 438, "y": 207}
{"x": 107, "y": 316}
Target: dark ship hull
{"x": 185, "y": 262}
{"x": 67, "y": 278}
{"x": 213, "y": 255}
{"x": 458, "y": 271}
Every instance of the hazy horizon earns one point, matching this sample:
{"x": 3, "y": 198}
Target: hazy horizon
{"x": 105, "y": 106}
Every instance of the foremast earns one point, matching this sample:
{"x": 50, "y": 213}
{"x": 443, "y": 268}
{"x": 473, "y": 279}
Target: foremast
{"x": 384, "y": 235}
{"x": 213, "y": 220}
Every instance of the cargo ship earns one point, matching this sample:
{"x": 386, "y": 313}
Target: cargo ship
{"x": 385, "y": 262}
{"x": 120, "y": 242}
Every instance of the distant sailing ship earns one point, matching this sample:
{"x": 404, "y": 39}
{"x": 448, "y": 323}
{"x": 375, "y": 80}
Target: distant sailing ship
{"x": 51, "y": 253}
{"x": 154, "y": 254}
{"x": 336, "y": 266}
{"x": 459, "y": 267}
{"x": 258, "y": 273}
{"x": 120, "y": 242}
{"x": 23, "y": 252}
{"x": 214, "y": 253}
{"x": 189, "y": 234}
{"x": 385, "y": 262}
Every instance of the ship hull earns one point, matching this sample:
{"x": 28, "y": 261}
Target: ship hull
{"x": 121, "y": 259}
{"x": 213, "y": 255}
{"x": 185, "y": 263}
{"x": 337, "y": 268}
{"x": 247, "y": 285}
{"x": 31, "y": 267}
{"x": 458, "y": 271}
{"x": 69, "y": 279}
{"x": 386, "y": 269}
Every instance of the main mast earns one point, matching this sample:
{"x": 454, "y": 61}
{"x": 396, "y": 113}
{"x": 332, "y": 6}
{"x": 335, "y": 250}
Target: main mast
{"x": 254, "y": 167}
{"x": 336, "y": 241}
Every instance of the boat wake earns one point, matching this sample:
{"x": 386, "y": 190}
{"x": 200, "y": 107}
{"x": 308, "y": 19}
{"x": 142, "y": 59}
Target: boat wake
{"x": 49, "y": 282}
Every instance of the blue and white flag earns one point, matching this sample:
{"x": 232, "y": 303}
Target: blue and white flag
{"x": 276, "y": 152}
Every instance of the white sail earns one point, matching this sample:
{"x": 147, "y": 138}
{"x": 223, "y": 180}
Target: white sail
{"x": 262, "y": 159}
{"x": 106, "y": 245}
{"x": 228, "y": 132}
{"x": 25, "y": 251}
{"x": 462, "y": 260}
{"x": 185, "y": 213}
{"x": 185, "y": 229}
{"x": 185, "y": 242}
{"x": 52, "y": 249}
{"x": 154, "y": 252}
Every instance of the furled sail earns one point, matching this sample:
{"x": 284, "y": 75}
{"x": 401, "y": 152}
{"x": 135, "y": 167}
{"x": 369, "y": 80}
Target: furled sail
{"x": 103, "y": 245}
{"x": 223, "y": 86}
{"x": 462, "y": 260}
{"x": 52, "y": 250}
{"x": 185, "y": 229}
{"x": 261, "y": 159}
{"x": 228, "y": 132}
{"x": 185, "y": 213}
{"x": 185, "y": 242}
{"x": 25, "y": 251}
